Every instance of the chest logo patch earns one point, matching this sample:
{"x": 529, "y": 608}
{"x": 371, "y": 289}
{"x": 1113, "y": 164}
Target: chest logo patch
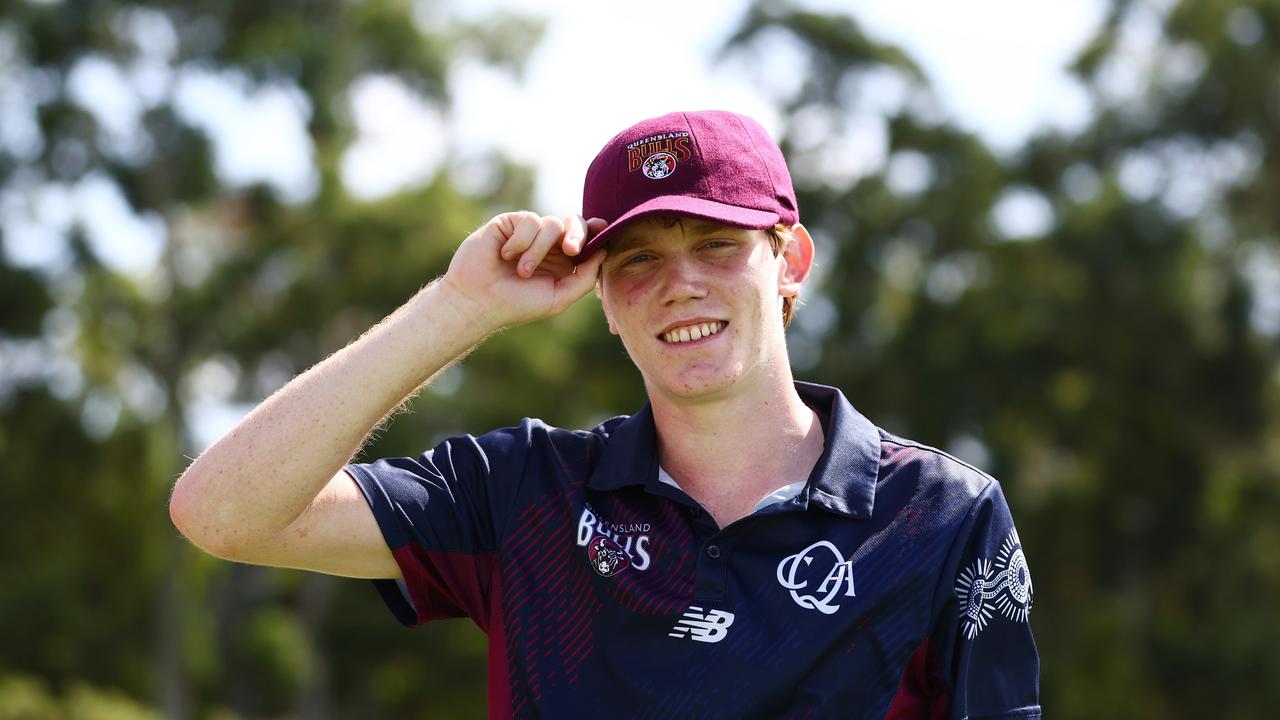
{"x": 607, "y": 557}
{"x": 709, "y": 627}
{"x": 613, "y": 547}
{"x": 1005, "y": 586}
{"x": 800, "y": 572}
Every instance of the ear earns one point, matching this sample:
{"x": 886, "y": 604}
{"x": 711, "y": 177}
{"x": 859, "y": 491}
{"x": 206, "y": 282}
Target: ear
{"x": 604, "y": 303}
{"x": 797, "y": 259}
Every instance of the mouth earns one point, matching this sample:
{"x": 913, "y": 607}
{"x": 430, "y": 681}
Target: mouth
{"x": 692, "y": 332}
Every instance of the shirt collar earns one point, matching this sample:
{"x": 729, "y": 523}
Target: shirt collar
{"x": 843, "y": 481}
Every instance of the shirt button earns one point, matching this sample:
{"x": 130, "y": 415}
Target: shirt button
{"x": 713, "y": 551}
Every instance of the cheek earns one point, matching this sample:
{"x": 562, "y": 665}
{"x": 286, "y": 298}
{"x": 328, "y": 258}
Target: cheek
{"x": 760, "y": 288}
{"x": 627, "y": 293}
{"x": 621, "y": 302}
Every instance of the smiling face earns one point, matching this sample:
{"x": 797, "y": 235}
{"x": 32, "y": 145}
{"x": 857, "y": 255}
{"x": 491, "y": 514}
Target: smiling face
{"x": 698, "y": 304}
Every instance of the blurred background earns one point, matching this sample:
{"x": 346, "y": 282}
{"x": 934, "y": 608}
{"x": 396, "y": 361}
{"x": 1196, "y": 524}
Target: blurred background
{"x": 1047, "y": 243}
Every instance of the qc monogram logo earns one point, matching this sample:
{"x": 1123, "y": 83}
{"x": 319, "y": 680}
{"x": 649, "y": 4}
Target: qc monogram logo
{"x": 796, "y": 571}
{"x": 709, "y": 627}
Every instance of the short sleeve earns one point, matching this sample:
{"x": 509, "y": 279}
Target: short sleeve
{"x": 988, "y": 659}
{"x": 442, "y": 516}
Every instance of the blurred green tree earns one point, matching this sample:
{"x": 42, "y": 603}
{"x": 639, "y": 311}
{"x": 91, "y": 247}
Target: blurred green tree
{"x": 1093, "y": 319}
{"x": 205, "y": 292}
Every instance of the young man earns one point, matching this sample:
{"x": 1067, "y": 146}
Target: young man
{"x": 743, "y": 546}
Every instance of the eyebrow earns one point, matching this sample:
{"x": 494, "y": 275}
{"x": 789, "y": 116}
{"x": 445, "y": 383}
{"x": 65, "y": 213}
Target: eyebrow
{"x": 631, "y": 238}
{"x": 625, "y": 243}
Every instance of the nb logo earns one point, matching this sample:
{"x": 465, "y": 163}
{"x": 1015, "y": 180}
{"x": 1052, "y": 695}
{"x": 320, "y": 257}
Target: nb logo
{"x": 796, "y": 571}
{"x": 711, "y": 627}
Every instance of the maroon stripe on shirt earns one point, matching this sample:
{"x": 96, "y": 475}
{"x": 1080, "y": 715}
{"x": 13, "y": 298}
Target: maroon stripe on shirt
{"x": 921, "y": 694}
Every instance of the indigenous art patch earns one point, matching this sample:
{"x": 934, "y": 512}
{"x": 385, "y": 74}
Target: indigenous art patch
{"x": 984, "y": 588}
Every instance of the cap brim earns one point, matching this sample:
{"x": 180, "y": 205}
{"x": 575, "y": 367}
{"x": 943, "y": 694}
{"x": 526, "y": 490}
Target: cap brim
{"x": 682, "y": 205}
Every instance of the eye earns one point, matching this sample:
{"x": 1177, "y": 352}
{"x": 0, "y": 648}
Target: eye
{"x": 637, "y": 259}
{"x": 717, "y": 244}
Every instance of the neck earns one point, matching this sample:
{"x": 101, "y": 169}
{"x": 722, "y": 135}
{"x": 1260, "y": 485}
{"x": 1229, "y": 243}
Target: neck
{"x": 730, "y": 450}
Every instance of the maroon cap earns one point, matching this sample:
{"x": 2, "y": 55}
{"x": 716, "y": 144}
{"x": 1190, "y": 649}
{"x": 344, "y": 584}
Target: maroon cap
{"x": 710, "y": 164}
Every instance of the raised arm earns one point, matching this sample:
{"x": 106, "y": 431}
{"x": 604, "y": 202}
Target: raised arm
{"x": 272, "y": 491}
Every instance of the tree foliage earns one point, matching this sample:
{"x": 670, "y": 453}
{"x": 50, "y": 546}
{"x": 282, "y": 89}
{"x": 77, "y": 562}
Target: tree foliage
{"x": 1113, "y": 363}
{"x": 112, "y": 367}
{"x": 1092, "y": 318}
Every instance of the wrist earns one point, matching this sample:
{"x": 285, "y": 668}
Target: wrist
{"x": 465, "y": 316}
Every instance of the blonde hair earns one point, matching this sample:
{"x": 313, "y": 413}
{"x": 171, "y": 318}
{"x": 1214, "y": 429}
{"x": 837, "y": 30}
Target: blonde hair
{"x": 779, "y": 235}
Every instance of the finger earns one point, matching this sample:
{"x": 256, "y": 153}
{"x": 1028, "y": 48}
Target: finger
{"x": 526, "y": 226}
{"x": 550, "y": 233}
{"x": 595, "y": 225}
{"x": 573, "y": 286}
{"x": 575, "y": 234}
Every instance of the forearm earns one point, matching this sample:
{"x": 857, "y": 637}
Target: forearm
{"x": 261, "y": 475}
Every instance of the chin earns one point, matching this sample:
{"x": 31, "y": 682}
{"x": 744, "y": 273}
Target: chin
{"x": 693, "y": 385}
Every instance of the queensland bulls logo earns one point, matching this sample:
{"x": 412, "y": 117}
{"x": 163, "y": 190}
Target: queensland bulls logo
{"x": 658, "y": 155}
{"x": 658, "y": 165}
{"x": 607, "y": 556}
{"x": 625, "y": 544}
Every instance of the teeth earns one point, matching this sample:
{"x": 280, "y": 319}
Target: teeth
{"x": 693, "y": 332}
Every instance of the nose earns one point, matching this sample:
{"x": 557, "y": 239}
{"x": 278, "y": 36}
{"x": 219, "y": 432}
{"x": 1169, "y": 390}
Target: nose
{"x": 681, "y": 281}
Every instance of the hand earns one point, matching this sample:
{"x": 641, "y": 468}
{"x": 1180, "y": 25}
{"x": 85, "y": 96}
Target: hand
{"x": 517, "y": 267}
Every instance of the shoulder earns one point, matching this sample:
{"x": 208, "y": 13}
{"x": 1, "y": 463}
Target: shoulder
{"x": 533, "y": 436}
{"x": 931, "y": 470}
{"x": 536, "y": 431}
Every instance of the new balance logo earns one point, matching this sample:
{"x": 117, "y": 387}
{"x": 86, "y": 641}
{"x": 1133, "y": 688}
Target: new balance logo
{"x": 710, "y": 627}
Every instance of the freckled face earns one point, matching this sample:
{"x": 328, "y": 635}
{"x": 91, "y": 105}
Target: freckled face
{"x": 696, "y": 304}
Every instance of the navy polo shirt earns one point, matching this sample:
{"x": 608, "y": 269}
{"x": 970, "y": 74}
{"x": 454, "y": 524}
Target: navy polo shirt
{"x": 893, "y": 585}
